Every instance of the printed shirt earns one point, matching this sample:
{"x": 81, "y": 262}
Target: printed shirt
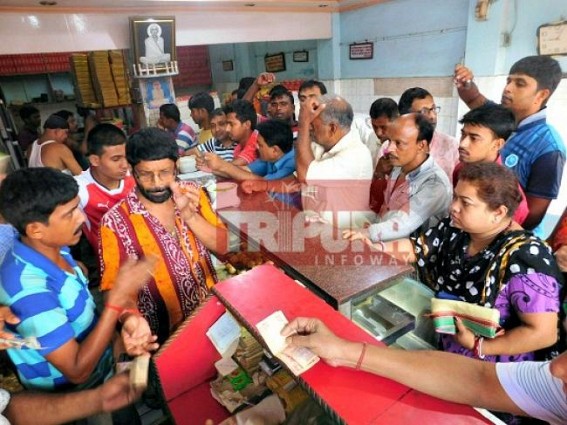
{"x": 249, "y": 152}
{"x": 182, "y": 277}
{"x": 184, "y": 136}
{"x": 422, "y": 199}
{"x": 515, "y": 273}
{"x": 96, "y": 200}
{"x": 216, "y": 147}
{"x": 53, "y": 305}
{"x": 283, "y": 167}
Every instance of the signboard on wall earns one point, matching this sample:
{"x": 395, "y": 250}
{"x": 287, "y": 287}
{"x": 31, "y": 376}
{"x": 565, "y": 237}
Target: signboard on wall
{"x": 361, "y": 50}
{"x": 275, "y": 63}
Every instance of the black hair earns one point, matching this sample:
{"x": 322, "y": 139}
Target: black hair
{"x": 27, "y": 111}
{"x": 64, "y": 113}
{"x": 424, "y": 128}
{"x": 544, "y": 69}
{"x": 240, "y": 93}
{"x": 202, "y": 100}
{"x": 103, "y": 135}
{"x": 279, "y": 91}
{"x": 407, "y": 98}
{"x": 313, "y": 83}
{"x": 384, "y": 106}
{"x": 150, "y": 144}
{"x": 171, "y": 111}
{"x": 495, "y": 185}
{"x": 277, "y": 133}
{"x": 245, "y": 83}
{"x": 217, "y": 113}
{"x": 244, "y": 111}
{"x": 31, "y": 195}
{"x": 55, "y": 122}
{"x": 496, "y": 118}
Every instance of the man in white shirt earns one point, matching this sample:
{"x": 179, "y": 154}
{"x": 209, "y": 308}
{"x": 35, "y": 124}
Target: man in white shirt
{"x": 335, "y": 170}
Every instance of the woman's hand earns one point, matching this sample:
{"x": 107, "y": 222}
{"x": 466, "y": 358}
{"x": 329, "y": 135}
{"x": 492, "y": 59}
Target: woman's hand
{"x": 464, "y": 335}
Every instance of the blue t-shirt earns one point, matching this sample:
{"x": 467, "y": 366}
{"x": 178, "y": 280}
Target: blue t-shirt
{"x": 536, "y": 154}
{"x": 7, "y": 236}
{"x": 283, "y": 167}
{"x": 53, "y": 305}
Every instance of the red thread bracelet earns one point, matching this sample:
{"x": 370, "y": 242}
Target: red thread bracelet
{"x": 361, "y": 358}
{"x": 122, "y": 310}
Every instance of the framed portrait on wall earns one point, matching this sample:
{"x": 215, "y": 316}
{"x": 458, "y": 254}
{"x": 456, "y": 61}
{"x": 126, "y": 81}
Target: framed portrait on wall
{"x": 153, "y": 41}
{"x": 157, "y": 91}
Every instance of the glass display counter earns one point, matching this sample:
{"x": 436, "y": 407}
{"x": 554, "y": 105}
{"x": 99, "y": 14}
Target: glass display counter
{"x": 395, "y": 314}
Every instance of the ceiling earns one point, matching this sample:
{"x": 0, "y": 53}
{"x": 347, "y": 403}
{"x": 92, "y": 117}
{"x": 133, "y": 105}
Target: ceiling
{"x": 140, "y": 6}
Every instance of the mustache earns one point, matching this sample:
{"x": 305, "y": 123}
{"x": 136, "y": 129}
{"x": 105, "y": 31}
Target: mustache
{"x": 158, "y": 189}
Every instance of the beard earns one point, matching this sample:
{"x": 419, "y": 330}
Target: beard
{"x": 158, "y": 195}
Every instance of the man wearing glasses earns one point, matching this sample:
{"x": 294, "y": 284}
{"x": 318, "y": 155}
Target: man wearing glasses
{"x": 443, "y": 148}
{"x": 171, "y": 220}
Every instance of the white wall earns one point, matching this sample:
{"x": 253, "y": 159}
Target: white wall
{"x": 50, "y": 32}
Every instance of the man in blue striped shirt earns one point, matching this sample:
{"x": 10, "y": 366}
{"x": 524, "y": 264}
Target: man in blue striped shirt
{"x": 45, "y": 288}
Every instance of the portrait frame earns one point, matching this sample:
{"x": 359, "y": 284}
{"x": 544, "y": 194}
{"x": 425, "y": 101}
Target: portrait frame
{"x": 165, "y": 89}
{"x": 140, "y": 31}
{"x": 275, "y": 62}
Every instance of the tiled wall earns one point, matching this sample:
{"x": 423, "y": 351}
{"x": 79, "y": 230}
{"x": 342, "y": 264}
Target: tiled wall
{"x": 362, "y": 92}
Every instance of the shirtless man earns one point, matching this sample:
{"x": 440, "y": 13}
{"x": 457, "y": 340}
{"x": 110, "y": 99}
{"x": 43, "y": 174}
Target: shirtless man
{"x": 50, "y": 149}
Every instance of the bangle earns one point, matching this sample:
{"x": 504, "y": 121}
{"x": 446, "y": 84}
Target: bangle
{"x": 477, "y": 348}
{"x": 122, "y": 310}
{"x": 361, "y": 358}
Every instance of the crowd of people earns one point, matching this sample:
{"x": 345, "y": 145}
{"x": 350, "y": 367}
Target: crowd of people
{"x": 466, "y": 213}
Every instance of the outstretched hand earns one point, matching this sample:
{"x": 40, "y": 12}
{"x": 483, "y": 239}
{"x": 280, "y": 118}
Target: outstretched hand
{"x": 257, "y": 185}
{"x": 137, "y": 336}
{"x": 314, "y": 334}
{"x": 117, "y": 393}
